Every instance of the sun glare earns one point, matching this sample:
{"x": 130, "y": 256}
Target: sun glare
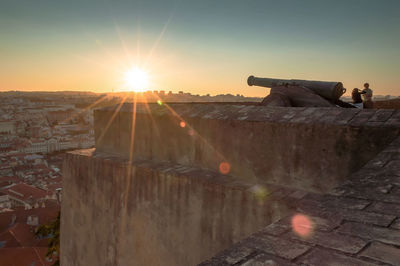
{"x": 136, "y": 79}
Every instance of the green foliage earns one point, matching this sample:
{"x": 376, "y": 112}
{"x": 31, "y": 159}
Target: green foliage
{"x": 51, "y": 230}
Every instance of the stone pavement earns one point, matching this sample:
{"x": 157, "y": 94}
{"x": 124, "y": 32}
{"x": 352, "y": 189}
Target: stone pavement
{"x": 357, "y": 223}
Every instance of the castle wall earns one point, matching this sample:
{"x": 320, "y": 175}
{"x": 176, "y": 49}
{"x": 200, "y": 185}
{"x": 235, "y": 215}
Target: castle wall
{"x": 203, "y": 176}
{"x": 157, "y": 214}
{"x": 307, "y": 148}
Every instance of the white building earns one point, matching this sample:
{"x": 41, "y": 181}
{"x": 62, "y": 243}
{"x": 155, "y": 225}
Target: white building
{"x": 53, "y": 145}
{"x": 4, "y": 201}
{"x": 43, "y": 146}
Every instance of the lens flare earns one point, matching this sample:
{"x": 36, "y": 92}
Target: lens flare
{"x": 224, "y": 168}
{"x": 182, "y": 124}
{"x": 302, "y": 225}
{"x": 260, "y": 192}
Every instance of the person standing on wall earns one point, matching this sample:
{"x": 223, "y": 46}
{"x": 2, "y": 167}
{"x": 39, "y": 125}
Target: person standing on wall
{"x": 367, "y": 96}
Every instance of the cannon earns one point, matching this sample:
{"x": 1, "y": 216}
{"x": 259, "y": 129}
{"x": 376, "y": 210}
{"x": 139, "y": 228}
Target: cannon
{"x": 331, "y": 91}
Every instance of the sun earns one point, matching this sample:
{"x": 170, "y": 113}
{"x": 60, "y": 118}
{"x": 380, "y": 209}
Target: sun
{"x": 136, "y": 79}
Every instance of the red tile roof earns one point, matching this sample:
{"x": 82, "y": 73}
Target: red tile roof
{"x": 24, "y": 192}
{"x": 19, "y": 246}
{"x": 8, "y": 240}
{"x": 24, "y": 256}
{"x": 22, "y": 235}
{"x": 45, "y": 216}
{"x": 9, "y": 179}
{"x": 53, "y": 187}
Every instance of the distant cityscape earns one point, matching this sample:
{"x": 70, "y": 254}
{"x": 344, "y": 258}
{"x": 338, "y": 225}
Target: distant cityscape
{"x": 37, "y": 128}
{"x": 34, "y": 133}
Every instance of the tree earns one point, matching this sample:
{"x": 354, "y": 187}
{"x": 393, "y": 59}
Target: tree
{"x": 52, "y": 231}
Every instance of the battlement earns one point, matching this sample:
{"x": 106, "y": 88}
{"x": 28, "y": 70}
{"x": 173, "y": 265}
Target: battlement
{"x": 306, "y": 148}
{"x": 176, "y": 184}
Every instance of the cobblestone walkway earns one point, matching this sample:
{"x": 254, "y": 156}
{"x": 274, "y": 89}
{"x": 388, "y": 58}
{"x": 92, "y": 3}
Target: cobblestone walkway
{"x": 357, "y": 223}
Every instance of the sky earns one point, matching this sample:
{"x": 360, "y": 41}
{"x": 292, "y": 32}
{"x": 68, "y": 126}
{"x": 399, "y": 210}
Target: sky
{"x": 199, "y": 46}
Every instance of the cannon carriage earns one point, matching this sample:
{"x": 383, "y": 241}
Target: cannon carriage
{"x": 300, "y": 93}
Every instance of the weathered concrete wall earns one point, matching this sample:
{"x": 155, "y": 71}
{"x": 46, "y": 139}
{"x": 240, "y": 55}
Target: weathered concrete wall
{"x": 157, "y": 213}
{"x": 308, "y": 148}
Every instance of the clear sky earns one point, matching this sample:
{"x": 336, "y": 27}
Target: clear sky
{"x": 199, "y": 46}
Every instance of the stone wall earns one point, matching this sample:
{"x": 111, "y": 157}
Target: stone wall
{"x": 157, "y": 213}
{"x": 307, "y": 148}
{"x": 203, "y": 176}
{"x": 357, "y": 223}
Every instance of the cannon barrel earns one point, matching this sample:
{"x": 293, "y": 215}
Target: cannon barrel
{"x": 328, "y": 90}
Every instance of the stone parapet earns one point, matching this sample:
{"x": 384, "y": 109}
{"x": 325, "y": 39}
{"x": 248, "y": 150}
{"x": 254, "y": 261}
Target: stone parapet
{"x": 116, "y": 212}
{"x": 307, "y": 148}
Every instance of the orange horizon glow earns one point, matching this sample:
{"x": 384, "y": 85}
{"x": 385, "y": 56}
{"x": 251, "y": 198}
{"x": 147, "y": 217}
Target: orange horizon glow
{"x": 106, "y": 70}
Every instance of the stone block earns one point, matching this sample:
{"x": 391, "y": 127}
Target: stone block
{"x": 298, "y": 194}
{"x": 238, "y": 254}
{"x": 289, "y": 113}
{"x": 368, "y": 217}
{"x": 310, "y": 208}
{"x": 276, "y": 246}
{"x": 347, "y": 244}
{"x": 306, "y": 115}
{"x": 396, "y": 224}
{"x": 394, "y": 165}
{"x": 265, "y": 260}
{"x": 386, "y": 235}
{"x": 394, "y": 120}
{"x": 329, "y": 201}
{"x": 383, "y": 253}
{"x": 382, "y": 159}
{"x": 276, "y": 229}
{"x": 379, "y": 192}
{"x": 381, "y": 115}
{"x": 346, "y": 116}
{"x": 314, "y": 117}
{"x": 320, "y": 256}
{"x": 385, "y": 208}
{"x": 362, "y": 117}
{"x": 329, "y": 116}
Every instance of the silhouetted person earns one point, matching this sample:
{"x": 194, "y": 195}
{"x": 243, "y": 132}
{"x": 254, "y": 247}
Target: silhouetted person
{"x": 356, "y": 96}
{"x": 367, "y": 96}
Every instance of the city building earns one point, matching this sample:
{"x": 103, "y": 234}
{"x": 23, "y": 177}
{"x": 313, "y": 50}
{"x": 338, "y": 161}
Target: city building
{"x": 7, "y": 127}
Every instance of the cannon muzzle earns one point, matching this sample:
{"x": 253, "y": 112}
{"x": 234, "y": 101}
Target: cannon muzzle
{"x": 329, "y": 90}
